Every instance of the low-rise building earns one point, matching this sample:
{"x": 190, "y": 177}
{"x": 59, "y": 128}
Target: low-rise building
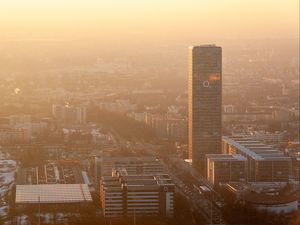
{"x": 52, "y": 197}
{"x": 69, "y": 114}
{"x": 225, "y": 168}
{"x": 264, "y": 163}
{"x": 119, "y": 106}
{"x": 9, "y": 136}
{"x": 103, "y": 166}
{"x": 52, "y": 172}
{"x": 122, "y": 194}
{"x": 272, "y": 197}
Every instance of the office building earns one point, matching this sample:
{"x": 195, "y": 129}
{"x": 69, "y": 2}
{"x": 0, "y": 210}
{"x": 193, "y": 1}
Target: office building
{"x": 69, "y": 114}
{"x": 58, "y": 112}
{"x": 122, "y": 194}
{"x": 223, "y": 168}
{"x": 205, "y": 103}
{"x": 264, "y": 163}
{"x": 160, "y": 125}
{"x": 75, "y": 115}
{"x": 11, "y": 136}
{"x": 119, "y": 106}
{"x": 19, "y": 119}
{"x": 103, "y": 166}
{"x": 177, "y": 130}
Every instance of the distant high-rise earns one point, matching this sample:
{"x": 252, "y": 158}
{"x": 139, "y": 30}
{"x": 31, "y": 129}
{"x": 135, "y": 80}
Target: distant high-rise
{"x": 205, "y": 103}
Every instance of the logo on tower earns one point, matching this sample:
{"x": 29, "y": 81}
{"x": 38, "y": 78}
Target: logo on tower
{"x": 205, "y": 83}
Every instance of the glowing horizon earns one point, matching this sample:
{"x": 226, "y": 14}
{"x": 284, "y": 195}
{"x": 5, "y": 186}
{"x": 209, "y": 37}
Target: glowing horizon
{"x": 144, "y": 19}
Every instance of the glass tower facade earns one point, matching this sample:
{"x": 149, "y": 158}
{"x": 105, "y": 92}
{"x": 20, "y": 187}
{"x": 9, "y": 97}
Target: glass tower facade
{"x": 205, "y": 103}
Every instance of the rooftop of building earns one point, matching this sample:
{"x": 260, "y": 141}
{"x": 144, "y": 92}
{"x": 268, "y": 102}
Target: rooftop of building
{"x": 264, "y": 193}
{"x": 130, "y": 158}
{"x": 52, "y": 172}
{"x": 255, "y": 149}
{"x": 131, "y": 165}
{"x": 52, "y": 193}
{"x": 226, "y": 157}
{"x": 120, "y": 179}
{"x": 203, "y": 46}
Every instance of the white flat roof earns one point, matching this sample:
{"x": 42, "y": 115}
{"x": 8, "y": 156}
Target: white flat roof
{"x": 225, "y": 157}
{"x": 52, "y": 193}
{"x": 256, "y": 150}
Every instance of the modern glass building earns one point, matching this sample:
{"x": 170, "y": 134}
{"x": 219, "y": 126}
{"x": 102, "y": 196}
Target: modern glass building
{"x": 264, "y": 163}
{"x": 205, "y": 103}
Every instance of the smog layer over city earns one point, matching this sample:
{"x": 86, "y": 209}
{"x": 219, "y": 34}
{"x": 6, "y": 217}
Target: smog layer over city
{"x": 149, "y": 112}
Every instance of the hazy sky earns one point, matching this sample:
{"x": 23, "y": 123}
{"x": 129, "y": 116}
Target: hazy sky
{"x": 149, "y": 18}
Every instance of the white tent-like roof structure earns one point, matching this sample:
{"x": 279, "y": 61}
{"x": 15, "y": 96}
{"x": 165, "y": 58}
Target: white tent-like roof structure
{"x": 52, "y": 193}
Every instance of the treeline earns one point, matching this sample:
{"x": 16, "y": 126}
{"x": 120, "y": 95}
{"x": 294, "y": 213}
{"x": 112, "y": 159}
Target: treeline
{"x": 125, "y": 126}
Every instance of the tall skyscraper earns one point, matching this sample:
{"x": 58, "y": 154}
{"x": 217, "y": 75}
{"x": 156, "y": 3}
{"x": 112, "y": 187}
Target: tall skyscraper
{"x": 205, "y": 103}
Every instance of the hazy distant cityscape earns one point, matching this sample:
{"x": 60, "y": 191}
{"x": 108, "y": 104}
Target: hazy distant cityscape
{"x": 107, "y": 124}
{"x": 130, "y": 126}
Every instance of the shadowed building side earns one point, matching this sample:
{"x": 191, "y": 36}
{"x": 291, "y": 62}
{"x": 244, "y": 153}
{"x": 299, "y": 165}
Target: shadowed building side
{"x": 205, "y": 103}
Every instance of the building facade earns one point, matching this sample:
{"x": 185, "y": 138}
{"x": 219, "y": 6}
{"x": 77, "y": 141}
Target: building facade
{"x": 264, "y": 163}
{"x": 103, "y": 166}
{"x": 265, "y": 197}
{"x": 205, "y": 103}
{"x": 124, "y": 195}
{"x": 69, "y": 114}
{"x": 48, "y": 198}
{"x": 226, "y": 168}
